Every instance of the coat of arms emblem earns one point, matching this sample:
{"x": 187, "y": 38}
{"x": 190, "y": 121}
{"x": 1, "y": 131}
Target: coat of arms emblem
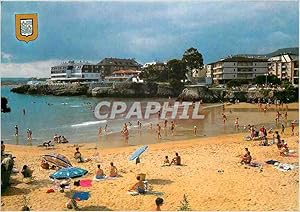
{"x": 26, "y": 27}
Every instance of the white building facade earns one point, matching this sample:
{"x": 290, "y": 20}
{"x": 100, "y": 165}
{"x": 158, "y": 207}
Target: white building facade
{"x": 72, "y": 71}
{"x": 237, "y": 68}
{"x": 285, "y": 67}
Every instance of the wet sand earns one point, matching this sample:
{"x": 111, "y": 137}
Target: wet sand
{"x": 237, "y": 187}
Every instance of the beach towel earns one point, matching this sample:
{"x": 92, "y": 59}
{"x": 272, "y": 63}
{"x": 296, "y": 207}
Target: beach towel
{"x": 254, "y": 164}
{"x": 81, "y": 195}
{"x": 86, "y": 183}
{"x": 284, "y": 167}
{"x": 272, "y": 162}
{"x": 105, "y": 178}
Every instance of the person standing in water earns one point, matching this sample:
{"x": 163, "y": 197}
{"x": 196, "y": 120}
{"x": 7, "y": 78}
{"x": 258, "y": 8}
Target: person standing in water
{"x": 17, "y": 130}
{"x": 24, "y": 112}
{"x": 224, "y": 118}
{"x": 236, "y": 123}
{"x": 100, "y": 131}
{"x": 172, "y": 127}
{"x": 195, "y": 130}
{"x": 158, "y": 131}
{"x": 29, "y": 134}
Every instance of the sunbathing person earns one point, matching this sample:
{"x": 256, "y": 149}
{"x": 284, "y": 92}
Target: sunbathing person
{"x": 176, "y": 160}
{"x": 166, "y": 161}
{"x": 284, "y": 150}
{"x": 64, "y": 140}
{"x": 78, "y": 157}
{"x": 45, "y": 164}
{"x": 139, "y": 186}
{"x": 246, "y": 159}
{"x": 99, "y": 173}
{"x": 280, "y": 144}
{"x": 113, "y": 172}
{"x": 26, "y": 171}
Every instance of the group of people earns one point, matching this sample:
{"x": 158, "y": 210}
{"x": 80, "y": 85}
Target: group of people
{"x": 176, "y": 160}
{"x": 60, "y": 139}
{"x": 113, "y": 171}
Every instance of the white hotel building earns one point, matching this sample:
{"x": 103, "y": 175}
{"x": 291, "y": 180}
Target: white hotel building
{"x": 285, "y": 67}
{"x": 72, "y": 71}
{"x": 238, "y": 67}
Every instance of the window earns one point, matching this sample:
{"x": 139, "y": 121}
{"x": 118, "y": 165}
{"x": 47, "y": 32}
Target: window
{"x": 234, "y": 64}
{"x": 233, "y": 75}
{"x": 255, "y": 69}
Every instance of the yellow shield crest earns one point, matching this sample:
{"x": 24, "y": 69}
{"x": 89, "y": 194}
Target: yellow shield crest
{"x": 26, "y": 27}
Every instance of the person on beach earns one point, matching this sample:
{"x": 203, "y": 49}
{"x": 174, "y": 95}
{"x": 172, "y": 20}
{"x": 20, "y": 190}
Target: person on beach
{"x": 113, "y": 172}
{"x": 285, "y": 116}
{"x": 236, "y": 123}
{"x": 293, "y": 127}
{"x": 72, "y": 204}
{"x": 158, "y": 202}
{"x": 172, "y": 127}
{"x": 159, "y": 114}
{"x": 45, "y": 164}
{"x": 105, "y": 128}
{"x": 139, "y": 186}
{"x": 64, "y": 140}
{"x": 166, "y": 161}
{"x": 246, "y": 159}
{"x": 29, "y": 134}
{"x": 176, "y": 160}
{"x": 195, "y": 130}
{"x": 26, "y": 171}
{"x": 99, "y": 173}
{"x": 79, "y": 158}
{"x": 17, "y": 130}
{"x": 99, "y": 131}
{"x": 158, "y": 131}
{"x": 165, "y": 123}
{"x": 2, "y": 148}
{"x": 284, "y": 149}
{"x": 224, "y": 118}
{"x": 282, "y": 128}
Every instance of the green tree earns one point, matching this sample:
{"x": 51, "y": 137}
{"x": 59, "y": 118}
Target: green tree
{"x": 192, "y": 59}
{"x": 176, "y": 75}
{"x": 270, "y": 79}
{"x": 153, "y": 74}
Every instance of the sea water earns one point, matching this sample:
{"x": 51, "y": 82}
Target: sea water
{"x": 73, "y": 117}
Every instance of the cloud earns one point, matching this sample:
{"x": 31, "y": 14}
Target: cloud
{"x": 33, "y": 69}
{"x": 6, "y": 57}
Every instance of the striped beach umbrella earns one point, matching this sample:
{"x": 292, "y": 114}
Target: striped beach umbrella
{"x": 58, "y": 160}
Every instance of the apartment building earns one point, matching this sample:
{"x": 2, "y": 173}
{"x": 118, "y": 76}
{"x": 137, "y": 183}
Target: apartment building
{"x": 72, "y": 71}
{"x": 285, "y": 67}
{"x": 237, "y": 67}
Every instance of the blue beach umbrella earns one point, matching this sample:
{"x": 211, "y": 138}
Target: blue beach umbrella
{"x": 70, "y": 172}
{"x": 138, "y": 152}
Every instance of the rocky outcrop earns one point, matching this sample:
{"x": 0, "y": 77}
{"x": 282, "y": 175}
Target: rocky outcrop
{"x": 201, "y": 93}
{"x": 56, "y": 90}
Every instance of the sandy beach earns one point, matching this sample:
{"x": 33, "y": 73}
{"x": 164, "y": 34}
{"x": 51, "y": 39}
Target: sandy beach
{"x": 237, "y": 187}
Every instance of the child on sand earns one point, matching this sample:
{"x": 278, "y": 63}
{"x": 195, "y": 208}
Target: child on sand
{"x": 246, "y": 159}
{"x": 166, "y": 161}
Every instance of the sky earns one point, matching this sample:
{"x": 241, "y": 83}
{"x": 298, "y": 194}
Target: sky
{"x": 146, "y": 31}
